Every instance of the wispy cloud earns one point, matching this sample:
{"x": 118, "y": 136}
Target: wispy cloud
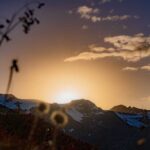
{"x": 88, "y": 13}
{"x": 130, "y": 69}
{"x": 130, "y": 43}
{"x": 107, "y": 1}
{"x": 129, "y": 48}
{"x": 92, "y": 14}
{"x": 116, "y": 18}
{"x": 95, "y": 48}
{"x": 146, "y": 67}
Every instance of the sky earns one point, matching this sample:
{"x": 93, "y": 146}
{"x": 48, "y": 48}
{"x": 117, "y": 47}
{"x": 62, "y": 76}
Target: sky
{"x": 92, "y": 49}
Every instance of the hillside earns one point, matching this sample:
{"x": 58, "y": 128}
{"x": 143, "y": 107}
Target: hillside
{"x": 16, "y": 126}
{"x": 88, "y": 127}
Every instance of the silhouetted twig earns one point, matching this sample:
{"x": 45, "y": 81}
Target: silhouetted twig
{"x": 14, "y": 67}
{"x": 25, "y": 16}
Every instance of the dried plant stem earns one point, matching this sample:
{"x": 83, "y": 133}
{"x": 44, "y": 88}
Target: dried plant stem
{"x": 31, "y": 133}
{"x": 55, "y": 134}
{"x": 9, "y": 80}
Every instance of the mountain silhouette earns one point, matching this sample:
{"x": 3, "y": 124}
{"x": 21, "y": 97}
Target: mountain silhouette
{"x": 88, "y": 125}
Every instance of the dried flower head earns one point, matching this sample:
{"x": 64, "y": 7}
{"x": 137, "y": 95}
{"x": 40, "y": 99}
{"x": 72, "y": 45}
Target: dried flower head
{"x": 59, "y": 119}
{"x": 42, "y": 108}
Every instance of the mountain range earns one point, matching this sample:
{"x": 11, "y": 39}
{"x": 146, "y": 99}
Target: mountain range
{"x": 120, "y": 128}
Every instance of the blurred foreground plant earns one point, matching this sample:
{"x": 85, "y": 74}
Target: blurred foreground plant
{"x": 57, "y": 118}
{"x": 26, "y": 16}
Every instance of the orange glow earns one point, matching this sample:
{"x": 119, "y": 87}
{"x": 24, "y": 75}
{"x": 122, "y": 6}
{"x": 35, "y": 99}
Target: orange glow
{"x": 66, "y": 96}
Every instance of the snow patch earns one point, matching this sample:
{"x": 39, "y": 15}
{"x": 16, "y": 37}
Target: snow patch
{"x": 12, "y": 103}
{"x": 76, "y": 115}
{"x": 132, "y": 120}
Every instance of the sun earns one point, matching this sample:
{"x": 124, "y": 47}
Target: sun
{"x": 66, "y": 96}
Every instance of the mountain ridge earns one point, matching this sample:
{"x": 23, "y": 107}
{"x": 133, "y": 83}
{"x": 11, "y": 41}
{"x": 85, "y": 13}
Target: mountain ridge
{"x": 91, "y": 124}
{"x": 129, "y": 109}
{"x": 118, "y": 108}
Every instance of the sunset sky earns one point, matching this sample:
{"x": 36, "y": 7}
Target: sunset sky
{"x": 92, "y": 49}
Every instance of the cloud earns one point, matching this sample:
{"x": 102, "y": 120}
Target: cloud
{"x": 116, "y": 18}
{"x": 107, "y": 1}
{"x": 130, "y": 43}
{"x": 130, "y": 69}
{"x": 146, "y": 67}
{"x": 91, "y": 14}
{"x": 87, "y": 12}
{"x": 95, "y": 48}
{"x": 85, "y": 27}
{"x": 129, "y": 48}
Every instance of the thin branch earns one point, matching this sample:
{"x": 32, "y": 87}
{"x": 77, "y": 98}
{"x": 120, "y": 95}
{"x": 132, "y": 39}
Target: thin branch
{"x": 12, "y": 24}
